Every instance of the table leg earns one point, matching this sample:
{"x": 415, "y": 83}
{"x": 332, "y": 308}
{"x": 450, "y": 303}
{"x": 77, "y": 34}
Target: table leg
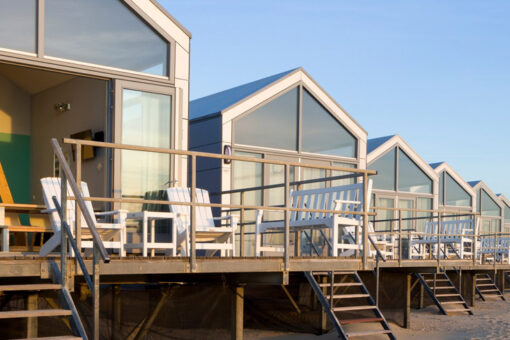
{"x": 5, "y": 231}
{"x": 153, "y": 234}
{"x": 144, "y": 235}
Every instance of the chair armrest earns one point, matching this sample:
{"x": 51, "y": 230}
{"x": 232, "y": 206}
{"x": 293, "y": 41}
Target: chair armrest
{"x": 347, "y": 201}
{"x": 109, "y": 213}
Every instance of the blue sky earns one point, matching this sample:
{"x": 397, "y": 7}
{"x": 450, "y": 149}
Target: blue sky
{"x": 435, "y": 72}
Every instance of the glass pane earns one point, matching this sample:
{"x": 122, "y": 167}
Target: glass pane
{"x": 406, "y": 214}
{"x": 276, "y": 196}
{"x": 103, "y": 32}
{"x": 247, "y": 175}
{"x": 273, "y": 125}
{"x": 385, "y": 167}
{"x": 310, "y": 173}
{"x": 146, "y": 119}
{"x": 489, "y": 207}
{"x": 441, "y": 188}
{"x": 455, "y": 194}
{"x": 384, "y": 214}
{"x": 346, "y": 181}
{"x": 423, "y": 204}
{"x": 322, "y": 133}
{"x": 17, "y": 24}
{"x": 410, "y": 177}
{"x": 507, "y": 214}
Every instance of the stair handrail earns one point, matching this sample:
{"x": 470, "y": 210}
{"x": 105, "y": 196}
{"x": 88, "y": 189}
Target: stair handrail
{"x": 64, "y": 166}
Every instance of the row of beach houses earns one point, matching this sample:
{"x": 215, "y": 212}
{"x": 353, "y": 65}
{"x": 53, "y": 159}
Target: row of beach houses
{"x": 126, "y": 81}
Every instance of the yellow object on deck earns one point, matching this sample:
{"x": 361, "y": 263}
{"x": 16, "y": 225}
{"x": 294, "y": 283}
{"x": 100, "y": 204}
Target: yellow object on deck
{"x": 5, "y": 192}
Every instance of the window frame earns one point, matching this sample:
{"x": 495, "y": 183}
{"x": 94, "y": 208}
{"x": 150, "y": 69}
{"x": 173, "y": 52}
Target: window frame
{"x": 39, "y": 59}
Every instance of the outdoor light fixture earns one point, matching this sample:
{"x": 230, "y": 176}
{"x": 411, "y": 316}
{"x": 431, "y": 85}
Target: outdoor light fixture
{"x": 227, "y": 151}
{"x": 62, "y": 107}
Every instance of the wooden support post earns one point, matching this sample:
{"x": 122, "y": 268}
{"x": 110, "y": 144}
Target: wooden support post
{"x": 407, "y": 301}
{"x": 499, "y": 280}
{"x": 237, "y": 313}
{"x": 468, "y": 283}
{"x": 32, "y": 322}
{"x": 421, "y": 297}
{"x": 116, "y": 312}
{"x": 95, "y": 294}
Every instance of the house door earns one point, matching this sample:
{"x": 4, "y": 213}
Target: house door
{"x": 143, "y": 117}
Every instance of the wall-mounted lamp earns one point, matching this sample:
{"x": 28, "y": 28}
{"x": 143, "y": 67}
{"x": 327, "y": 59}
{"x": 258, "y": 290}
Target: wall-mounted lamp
{"x": 227, "y": 151}
{"x": 62, "y": 107}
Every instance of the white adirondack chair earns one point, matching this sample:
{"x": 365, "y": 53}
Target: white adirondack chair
{"x": 208, "y": 236}
{"x": 341, "y": 198}
{"x": 107, "y": 231}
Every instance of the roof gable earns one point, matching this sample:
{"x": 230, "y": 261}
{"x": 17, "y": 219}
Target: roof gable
{"x": 381, "y": 145}
{"x": 481, "y": 185}
{"x": 443, "y": 166}
{"x": 217, "y": 102}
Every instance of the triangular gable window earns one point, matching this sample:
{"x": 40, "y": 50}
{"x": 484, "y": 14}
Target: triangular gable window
{"x": 489, "y": 207}
{"x": 276, "y": 125}
{"x": 410, "y": 177}
{"x": 322, "y": 133}
{"x": 386, "y": 170}
{"x": 507, "y": 213}
{"x": 273, "y": 125}
{"x": 455, "y": 194}
{"x": 103, "y": 32}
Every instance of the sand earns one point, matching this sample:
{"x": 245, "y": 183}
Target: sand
{"x": 491, "y": 320}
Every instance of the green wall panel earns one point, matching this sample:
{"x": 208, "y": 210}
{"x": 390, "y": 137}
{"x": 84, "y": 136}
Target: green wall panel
{"x": 15, "y": 158}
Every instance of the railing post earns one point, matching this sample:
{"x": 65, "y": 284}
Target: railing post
{"x": 193, "y": 194}
{"x": 77, "y": 219}
{"x": 63, "y": 235}
{"x": 241, "y": 225}
{"x": 439, "y": 233}
{"x": 475, "y": 238}
{"x": 365, "y": 221}
{"x": 95, "y": 294}
{"x": 287, "y": 219}
{"x": 400, "y": 237}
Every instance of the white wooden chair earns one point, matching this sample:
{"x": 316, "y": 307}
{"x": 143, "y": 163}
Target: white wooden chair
{"x": 347, "y": 198}
{"x": 108, "y": 232}
{"x": 458, "y": 234}
{"x": 492, "y": 250}
{"x": 208, "y": 236}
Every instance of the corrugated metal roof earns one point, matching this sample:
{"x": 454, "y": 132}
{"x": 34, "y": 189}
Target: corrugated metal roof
{"x": 473, "y": 183}
{"x": 435, "y": 165}
{"x": 374, "y": 143}
{"x": 215, "y": 103}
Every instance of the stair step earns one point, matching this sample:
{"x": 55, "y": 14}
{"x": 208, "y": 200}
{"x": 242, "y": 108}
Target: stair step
{"x": 344, "y": 284}
{"x": 348, "y": 296}
{"x": 367, "y": 333}
{"x": 437, "y": 280}
{"x": 485, "y": 285}
{"x": 34, "y": 313}
{"x": 62, "y": 337}
{"x": 364, "y": 320}
{"x": 489, "y": 290}
{"x": 443, "y": 287}
{"x": 446, "y": 295}
{"x": 458, "y": 310}
{"x": 29, "y": 287}
{"x": 452, "y": 302}
{"x": 346, "y": 309}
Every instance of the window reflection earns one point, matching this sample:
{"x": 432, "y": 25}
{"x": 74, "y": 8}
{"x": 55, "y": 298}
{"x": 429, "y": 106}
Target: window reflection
{"x": 455, "y": 194}
{"x": 103, "y": 32}
{"x": 410, "y": 177}
{"x": 385, "y": 167}
{"x": 17, "y": 25}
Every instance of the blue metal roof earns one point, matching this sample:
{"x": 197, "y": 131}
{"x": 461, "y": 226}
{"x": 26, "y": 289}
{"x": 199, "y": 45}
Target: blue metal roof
{"x": 473, "y": 183}
{"x": 435, "y": 165}
{"x": 215, "y": 103}
{"x": 374, "y": 143}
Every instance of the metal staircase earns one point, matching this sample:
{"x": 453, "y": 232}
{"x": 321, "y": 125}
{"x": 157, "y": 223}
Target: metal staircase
{"x": 68, "y": 311}
{"x": 444, "y": 293}
{"x": 486, "y": 287}
{"x": 346, "y": 301}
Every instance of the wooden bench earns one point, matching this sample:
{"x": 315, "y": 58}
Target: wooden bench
{"x": 10, "y": 223}
{"x": 458, "y": 234}
{"x": 347, "y": 198}
{"x": 494, "y": 250}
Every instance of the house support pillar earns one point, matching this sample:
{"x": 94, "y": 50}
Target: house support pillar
{"x": 237, "y": 322}
{"x": 32, "y": 304}
{"x": 395, "y": 296}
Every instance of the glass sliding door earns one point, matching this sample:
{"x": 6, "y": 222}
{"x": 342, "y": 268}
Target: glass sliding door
{"x": 145, "y": 119}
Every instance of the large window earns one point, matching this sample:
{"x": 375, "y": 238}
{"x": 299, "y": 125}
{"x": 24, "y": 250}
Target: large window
{"x": 386, "y": 171}
{"x": 322, "y": 133}
{"x": 17, "y": 25}
{"x": 507, "y": 213}
{"x": 410, "y": 177}
{"x": 455, "y": 194}
{"x": 103, "y": 32}
{"x": 272, "y": 125}
{"x": 146, "y": 121}
{"x": 278, "y": 124}
{"x": 401, "y": 174}
{"x": 488, "y": 206}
